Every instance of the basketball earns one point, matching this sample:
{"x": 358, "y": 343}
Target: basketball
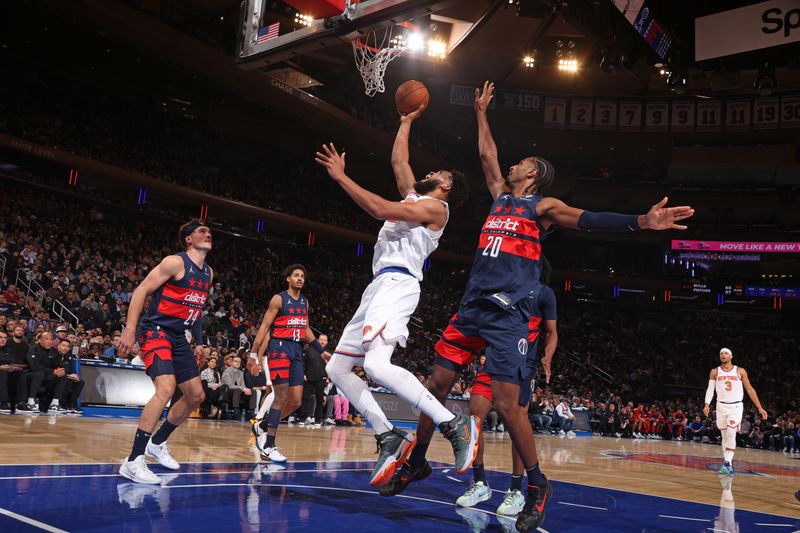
{"x": 410, "y": 95}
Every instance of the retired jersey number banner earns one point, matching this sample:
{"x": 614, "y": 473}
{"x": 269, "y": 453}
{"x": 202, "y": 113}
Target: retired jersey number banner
{"x": 748, "y": 28}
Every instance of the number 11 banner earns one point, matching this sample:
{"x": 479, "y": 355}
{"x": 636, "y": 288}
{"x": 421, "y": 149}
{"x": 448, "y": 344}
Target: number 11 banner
{"x": 709, "y": 115}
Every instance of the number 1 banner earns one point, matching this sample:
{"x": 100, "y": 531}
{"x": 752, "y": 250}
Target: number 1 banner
{"x": 555, "y": 113}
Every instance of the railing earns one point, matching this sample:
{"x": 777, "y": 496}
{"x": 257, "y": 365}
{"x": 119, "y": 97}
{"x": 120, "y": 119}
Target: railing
{"x": 30, "y": 287}
{"x": 64, "y": 314}
{"x": 582, "y": 361}
{"x": 3, "y": 262}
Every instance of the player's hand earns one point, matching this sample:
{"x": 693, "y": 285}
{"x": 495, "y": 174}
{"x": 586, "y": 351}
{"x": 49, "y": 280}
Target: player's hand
{"x": 546, "y": 363}
{"x": 73, "y": 377}
{"x": 484, "y": 98}
{"x": 126, "y": 342}
{"x": 411, "y": 117}
{"x": 330, "y": 159}
{"x": 763, "y": 413}
{"x": 706, "y": 409}
{"x": 326, "y": 355}
{"x": 660, "y": 217}
{"x": 5, "y": 368}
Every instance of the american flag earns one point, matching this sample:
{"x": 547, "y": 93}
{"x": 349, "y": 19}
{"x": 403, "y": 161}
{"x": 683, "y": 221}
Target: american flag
{"x": 270, "y": 32}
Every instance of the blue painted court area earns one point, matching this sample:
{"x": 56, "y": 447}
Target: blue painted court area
{"x": 322, "y": 496}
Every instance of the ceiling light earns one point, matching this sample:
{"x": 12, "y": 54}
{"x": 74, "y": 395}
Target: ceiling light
{"x": 415, "y": 41}
{"x": 528, "y": 61}
{"x": 766, "y": 82}
{"x": 568, "y": 65}
{"x": 437, "y": 48}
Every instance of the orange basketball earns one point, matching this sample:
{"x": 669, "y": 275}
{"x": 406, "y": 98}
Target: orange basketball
{"x": 410, "y": 95}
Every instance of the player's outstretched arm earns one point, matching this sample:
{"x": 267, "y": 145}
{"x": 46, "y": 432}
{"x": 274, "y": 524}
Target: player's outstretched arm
{"x": 486, "y": 145}
{"x": 712, "y": 383}
{"x": 311, "y": 339}
{"x": 403, "y": 173}
{"x": 169, "y": 267}
{"x": 659, "y": 217}
{"x": 426, "y": 211}
{"x": 262, "y": 337}
{"x": 751, "y": 392}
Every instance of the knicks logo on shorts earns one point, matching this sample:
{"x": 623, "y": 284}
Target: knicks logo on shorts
{"x": 522, "y": 346}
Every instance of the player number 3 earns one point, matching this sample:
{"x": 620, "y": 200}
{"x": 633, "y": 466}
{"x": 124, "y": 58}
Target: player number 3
{"x": 493, "y": 246}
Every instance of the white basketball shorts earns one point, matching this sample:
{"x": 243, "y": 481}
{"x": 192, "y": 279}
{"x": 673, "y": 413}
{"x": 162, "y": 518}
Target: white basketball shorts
{"x": 729, "y": 415}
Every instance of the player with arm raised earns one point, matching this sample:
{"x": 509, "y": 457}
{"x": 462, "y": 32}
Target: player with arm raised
{"x": 729, "y": 382}
{"x": 283, "y": 331}
{"x": 179, "y": 285}
{"x": 410, "y": 233}
{"x": 505, "y": 271}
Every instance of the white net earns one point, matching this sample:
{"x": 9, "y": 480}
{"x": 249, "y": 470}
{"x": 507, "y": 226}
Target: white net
{"x": 373, "y": 53}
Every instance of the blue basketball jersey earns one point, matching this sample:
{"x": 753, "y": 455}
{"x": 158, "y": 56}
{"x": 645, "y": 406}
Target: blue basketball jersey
{"x": 177, "y": 306}
{"x": 506, "y": 267}
{"x": 291, "y": 322}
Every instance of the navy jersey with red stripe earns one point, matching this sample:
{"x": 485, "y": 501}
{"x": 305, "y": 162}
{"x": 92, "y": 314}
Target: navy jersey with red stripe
{"x": 177, "y": 306}
{"x": 507, "y": 267}
{"x": 541, "y": 305}
{"x": 291, "y": 322}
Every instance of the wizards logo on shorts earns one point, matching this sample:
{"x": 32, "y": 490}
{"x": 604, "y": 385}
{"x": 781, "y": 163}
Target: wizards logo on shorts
{"x": 522, "y": 346}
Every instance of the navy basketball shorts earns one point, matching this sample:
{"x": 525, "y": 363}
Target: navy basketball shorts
{"x": 285, "y": 360}
{"x": 479, "y": 326}
{"x": 167, "y": 354}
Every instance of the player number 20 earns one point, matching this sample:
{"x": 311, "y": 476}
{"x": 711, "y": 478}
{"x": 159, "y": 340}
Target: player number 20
{"x": 194, "y": 314}
{"x": 493, "y": 246}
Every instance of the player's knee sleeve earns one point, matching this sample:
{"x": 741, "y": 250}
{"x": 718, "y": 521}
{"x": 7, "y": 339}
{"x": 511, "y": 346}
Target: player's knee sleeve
{"x": 729, "y": 439}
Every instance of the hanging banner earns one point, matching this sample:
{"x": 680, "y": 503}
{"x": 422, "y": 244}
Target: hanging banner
{"x": 519, "y": 101}
{"x": 748, "y": 28}
{"x": 630, "y": 116}
{"x": 766, "y": 113}
{"x": 605, "y": 115}
{"x": 464, "y": 95}
{"x": 709, "y": 115}
{"x": 737, "y": 115}
{"x": 790, "y": 111}
{"x": 656, "y": 116}
{"x": 555, "y": 113}
{"x": 580, "y": 115}
{"x": 738, "y": 246}
{"x": 683, "y": 115}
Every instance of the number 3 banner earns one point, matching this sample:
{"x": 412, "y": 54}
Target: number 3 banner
{"x": 605, "y": 115}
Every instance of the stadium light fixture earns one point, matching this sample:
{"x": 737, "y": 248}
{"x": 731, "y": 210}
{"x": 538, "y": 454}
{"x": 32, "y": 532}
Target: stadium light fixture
{"x": 766, "y": 82}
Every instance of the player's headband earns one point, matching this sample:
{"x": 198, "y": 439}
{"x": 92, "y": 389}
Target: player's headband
{"x": 726, "y": 350}
{"x": 188, "y": 230}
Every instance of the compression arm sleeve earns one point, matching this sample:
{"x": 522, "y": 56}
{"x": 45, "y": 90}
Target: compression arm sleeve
{"x": 710, "y": 391}
{"x": 591, "y": 221}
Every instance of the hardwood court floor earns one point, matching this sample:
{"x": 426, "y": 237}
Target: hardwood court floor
{"x": 683, "y": 473}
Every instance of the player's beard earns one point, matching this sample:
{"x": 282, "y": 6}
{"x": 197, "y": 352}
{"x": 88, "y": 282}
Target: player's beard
{"x": 425, "y": 186}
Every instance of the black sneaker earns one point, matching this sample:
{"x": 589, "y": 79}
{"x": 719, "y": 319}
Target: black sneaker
{"x": 532, "y": 515}
{"x": 24, "y": 407}
{"x": 462, "y": 432}
{"x": 403, "y": 476}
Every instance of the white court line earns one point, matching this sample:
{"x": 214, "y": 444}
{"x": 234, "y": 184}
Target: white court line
{"x": 30, "y": 521}
{"x": 774, "y": 525}
{"x": 684, "y": 518}
{"x": 720, "y": 530}
{"x": 455, "y": 479}
{"x": 584, "y": 506}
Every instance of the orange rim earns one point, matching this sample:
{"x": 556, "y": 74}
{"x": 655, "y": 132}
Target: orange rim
{"x": 363, "y": 46}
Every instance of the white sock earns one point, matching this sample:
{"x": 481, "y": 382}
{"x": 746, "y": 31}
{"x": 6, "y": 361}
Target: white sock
{"x": 31, "y": 401}
{"x": 54, "y": 403}
{"x": 728, "y": 456}
{"x": 265, "y": 405}
{"x": 378, "y": 366}
{"x": 340, "y": 370}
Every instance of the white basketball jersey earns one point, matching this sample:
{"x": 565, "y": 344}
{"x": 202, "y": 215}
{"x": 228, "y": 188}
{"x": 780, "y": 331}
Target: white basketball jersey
{"x": 406, "y": 244}
{"x": 729, "y": 385}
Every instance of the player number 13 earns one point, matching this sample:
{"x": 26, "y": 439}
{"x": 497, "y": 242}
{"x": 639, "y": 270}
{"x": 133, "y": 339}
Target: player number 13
{"x": 493, "y": 246}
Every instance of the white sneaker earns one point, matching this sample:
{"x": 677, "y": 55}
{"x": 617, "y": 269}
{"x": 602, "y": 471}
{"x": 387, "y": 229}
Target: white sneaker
{"x": 330, "y": 422}
{"x": 477, "y": 493}
{"x": 272, "y": 454}
{"x": 501, "y": 428}
{"x": 160, "y": 452}
{"x": 570, "y": 433}
{"x": 512, "y": 503}
{"x": 138, "y": 472}
{"x": 561, "y": 432}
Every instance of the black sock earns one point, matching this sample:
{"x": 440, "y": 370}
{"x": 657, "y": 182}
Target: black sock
{"x": 270, "y": 441}
{"x": 535, "y": 477}
{"x": 516, "y": 482}
{"x": 264, "y": 424}
{"x": 479, "y": 473}
{"x": 417, "y": 457}
{"x": 139, "y": 444}
{"x": 163, "y": 432}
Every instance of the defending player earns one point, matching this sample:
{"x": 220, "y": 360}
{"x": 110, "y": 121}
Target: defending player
{"x": 542, "y": 308}
{"x": 506, "y": 270}
{"x": 179, "y": 285}
{"x": 283, "y": 331}
{"x": 410, "y": 234}
{"x": 729, "y": 382}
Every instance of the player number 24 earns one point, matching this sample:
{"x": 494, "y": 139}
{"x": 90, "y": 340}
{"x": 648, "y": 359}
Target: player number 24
{"x": 493, "y": 246}
{"x": 194, "y": 314}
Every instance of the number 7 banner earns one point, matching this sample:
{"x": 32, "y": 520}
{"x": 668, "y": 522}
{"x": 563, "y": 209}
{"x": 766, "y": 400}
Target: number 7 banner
{"x": 630, "y": 116}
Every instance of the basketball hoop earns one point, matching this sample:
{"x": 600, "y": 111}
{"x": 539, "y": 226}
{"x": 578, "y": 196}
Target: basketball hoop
{"x": 375, "y": 50}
